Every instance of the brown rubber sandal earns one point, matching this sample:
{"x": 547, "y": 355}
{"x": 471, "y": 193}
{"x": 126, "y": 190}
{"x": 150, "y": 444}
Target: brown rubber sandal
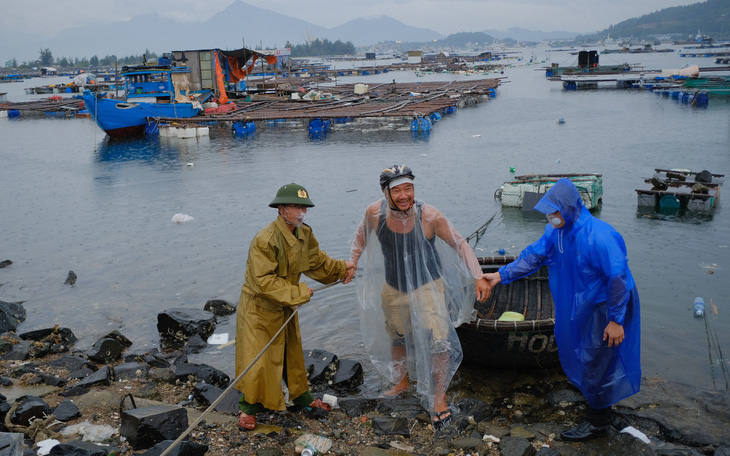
{"x": 247, "y": 421}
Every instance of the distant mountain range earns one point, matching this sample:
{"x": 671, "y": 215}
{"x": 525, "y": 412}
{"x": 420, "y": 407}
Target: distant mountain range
{"x": 237, "y": 25}
{"x": 241, "y": 24}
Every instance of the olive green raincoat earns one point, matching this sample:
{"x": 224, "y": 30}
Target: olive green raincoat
{"x": 276, "y": 260}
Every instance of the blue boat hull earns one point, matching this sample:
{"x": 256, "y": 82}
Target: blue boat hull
{"x": 128, "y": 118}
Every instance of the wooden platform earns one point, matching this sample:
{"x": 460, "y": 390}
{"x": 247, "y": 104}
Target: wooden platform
{"x": 388, "y": 100}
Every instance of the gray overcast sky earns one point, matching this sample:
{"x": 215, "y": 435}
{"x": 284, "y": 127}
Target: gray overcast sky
{"x": 48, "y": 17}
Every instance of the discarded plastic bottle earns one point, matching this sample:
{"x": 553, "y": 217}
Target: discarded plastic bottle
{"x": 699, "y": 307}
{"x": 309, "y": 444}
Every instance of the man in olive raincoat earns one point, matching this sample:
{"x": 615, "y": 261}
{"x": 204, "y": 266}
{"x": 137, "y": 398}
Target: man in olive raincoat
{"x": 279, "y": 254}
{"x": 597, "y": 325}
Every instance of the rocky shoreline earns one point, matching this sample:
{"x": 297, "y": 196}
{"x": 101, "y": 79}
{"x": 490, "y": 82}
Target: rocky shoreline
{"x": 82, "y": 403}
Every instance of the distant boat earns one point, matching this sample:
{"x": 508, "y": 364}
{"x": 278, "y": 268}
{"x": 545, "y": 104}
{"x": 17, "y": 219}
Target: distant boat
{"x": 526, "y": 190}
{"x": 587, "y": 63}
{"x": 150, "y": 91}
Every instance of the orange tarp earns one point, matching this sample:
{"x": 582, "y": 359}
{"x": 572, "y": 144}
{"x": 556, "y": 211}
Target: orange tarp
{"x": 222, "y": 96}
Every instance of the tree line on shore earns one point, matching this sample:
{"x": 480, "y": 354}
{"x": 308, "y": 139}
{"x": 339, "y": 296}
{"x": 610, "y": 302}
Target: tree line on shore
{"x": 315, "y": 47}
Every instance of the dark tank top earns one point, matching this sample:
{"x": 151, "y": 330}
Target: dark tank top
{"x": 401, "y": 272}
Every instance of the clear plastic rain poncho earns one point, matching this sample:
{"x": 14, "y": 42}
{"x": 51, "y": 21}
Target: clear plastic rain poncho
{"x": 591, "y": 285}
{"x": 417, "y": 285}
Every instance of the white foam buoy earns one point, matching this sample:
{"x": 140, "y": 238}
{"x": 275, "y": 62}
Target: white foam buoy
{"x": 181, "y": 218}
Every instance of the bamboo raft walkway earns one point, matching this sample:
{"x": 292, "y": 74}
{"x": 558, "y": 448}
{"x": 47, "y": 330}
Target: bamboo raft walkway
{"x": 388, "y": 100}
{"x": 55, "y": 104}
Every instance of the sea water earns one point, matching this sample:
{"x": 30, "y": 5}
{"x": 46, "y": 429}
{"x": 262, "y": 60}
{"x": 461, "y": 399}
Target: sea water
{"x": 74, "y": 200}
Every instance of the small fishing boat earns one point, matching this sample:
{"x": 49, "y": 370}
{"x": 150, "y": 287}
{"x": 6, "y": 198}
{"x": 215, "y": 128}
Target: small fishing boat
{"x": 514, "y": 327}
{"x": 680, "y": 190}
{"x": 150, "y": 92}
{"x": 525, "y": 191}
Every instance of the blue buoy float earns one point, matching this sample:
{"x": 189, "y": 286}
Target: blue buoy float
{"x": 244, "y": 129}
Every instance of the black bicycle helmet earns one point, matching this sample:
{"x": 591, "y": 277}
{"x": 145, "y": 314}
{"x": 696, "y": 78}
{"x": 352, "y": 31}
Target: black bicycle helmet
{"x": 394, "y": 172}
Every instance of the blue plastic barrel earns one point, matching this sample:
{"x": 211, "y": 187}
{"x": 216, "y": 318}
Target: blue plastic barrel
{"x": 492, "y": 93}
{"x": 669, "y": 202}
{"x": 243, "y": 128}
{"x": 425, "y": 124}
{"x": 13, "y": 114}
{"x": 701, "y": 100}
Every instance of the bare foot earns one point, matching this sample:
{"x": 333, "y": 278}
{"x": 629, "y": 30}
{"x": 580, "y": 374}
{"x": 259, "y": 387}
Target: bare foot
{"x": 401, "y": 387}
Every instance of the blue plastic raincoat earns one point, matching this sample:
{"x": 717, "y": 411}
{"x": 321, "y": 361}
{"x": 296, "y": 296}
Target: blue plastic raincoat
{"x": 591, "y": 285}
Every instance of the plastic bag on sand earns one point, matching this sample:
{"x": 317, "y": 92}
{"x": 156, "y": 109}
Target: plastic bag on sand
{"x": 90, "y": 432}
{"x": 44, "y": 446}
{"x": 181, "y": 218}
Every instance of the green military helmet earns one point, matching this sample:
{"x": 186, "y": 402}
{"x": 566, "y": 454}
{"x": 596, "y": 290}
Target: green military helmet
{"x": 292, "y": 194}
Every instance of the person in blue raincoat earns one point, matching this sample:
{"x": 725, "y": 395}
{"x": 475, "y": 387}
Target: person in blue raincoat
{"x": 597, "y": 322}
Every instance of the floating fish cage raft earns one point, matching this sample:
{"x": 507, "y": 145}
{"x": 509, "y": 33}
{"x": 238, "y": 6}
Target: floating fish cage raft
{"x": 681, "y": 189}
{"x": 533, "y": 186}
{"x": 496, "y": 339}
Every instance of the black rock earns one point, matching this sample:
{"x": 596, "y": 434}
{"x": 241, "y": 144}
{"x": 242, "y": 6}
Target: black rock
{"x": 106, "y": 351}
{"x": 152, "y": 358}
{"x": 74, "y": 391}
{"x": 54, "y": 335}
{"x": 31, "y": 408}
{"x": 515, "y": 446}
{"x": 5, "y": 263}
{"x": 66, "y": 411}
{"x": 79, "y": 448}
{"x": 19, "y": 352}
{"x": 206, "y": 394}
{"x": 11, "y": 443}
{"x": 131, "y": 371}
{"x": 194, "y": 344}
{"x": 184, "y": 448}
{"x": 386, "y": 425}
{"x": 81, "y": 373}
{"x": 201, "y": 372}
{"x": 470, "y": 407}
{"x": 356, "y": 406}
{"x": 72, "y": 363}
{"x": 11, "y": 315}
{"x": 177, "y": 325}
{"x": 321, "y": 366}
{"x": 101, "y": 377}
{"x": 146, "y": 426}
{"x": 119, "y": 337}
{"x": 220, "y": 307}
{"x": 349, "y": 375}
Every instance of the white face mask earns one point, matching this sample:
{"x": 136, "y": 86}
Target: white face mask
{"x": 554, "y": 221}
{"x": 294, "y": 219}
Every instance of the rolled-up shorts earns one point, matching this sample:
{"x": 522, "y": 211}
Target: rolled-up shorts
{"x": 431, "y": 311}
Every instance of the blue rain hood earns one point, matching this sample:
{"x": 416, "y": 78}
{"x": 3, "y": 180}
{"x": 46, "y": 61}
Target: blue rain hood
{"x": 591, "y": 285}
{"x": 563, "y": 197}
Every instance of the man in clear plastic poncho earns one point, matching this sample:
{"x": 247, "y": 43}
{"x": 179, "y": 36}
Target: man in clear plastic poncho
{"x": 419, "y": 283}
{"x": 597, "y": 324}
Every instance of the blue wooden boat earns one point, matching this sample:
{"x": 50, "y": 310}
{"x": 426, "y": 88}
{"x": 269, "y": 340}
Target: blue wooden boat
{"x": 150, "y": 92}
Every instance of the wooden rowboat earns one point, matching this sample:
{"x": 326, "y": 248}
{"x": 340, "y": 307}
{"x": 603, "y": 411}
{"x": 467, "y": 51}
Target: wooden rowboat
{"x": 525, "y": 344}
